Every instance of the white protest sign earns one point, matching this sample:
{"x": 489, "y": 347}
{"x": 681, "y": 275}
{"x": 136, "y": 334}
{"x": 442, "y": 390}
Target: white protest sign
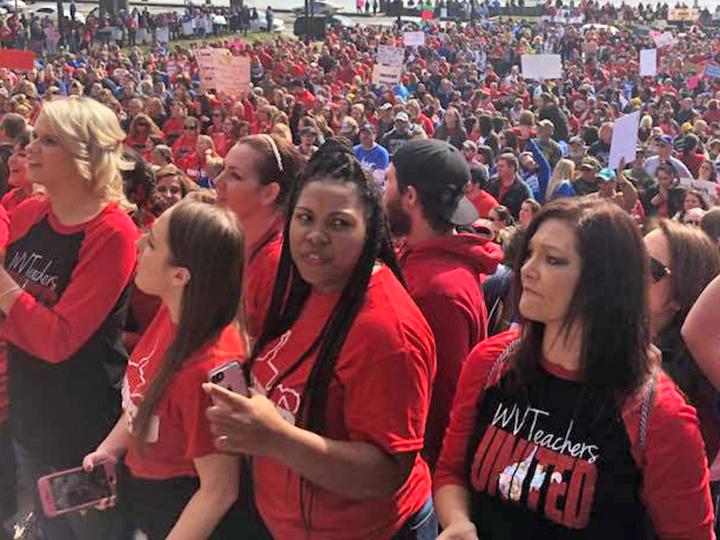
{"x": 389, "y": 75}
{"x": 663, "y": 40}
{"x": 541, "y": 66}
{"x": 390, "y": 56}
{"x": 414, "y": 39}
{"x": 204, "y": 58}
{"x": 648, "y": 62}
{"x": 624, "y": 140}
{"x": 708, "y": 190}
{"x": 232, "y": 75}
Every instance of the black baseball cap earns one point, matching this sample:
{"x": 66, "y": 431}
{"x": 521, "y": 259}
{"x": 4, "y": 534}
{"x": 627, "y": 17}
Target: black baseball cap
{"x": 439, "y": 170}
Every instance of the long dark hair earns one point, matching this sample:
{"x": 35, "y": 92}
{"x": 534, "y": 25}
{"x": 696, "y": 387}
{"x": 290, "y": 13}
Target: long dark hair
{"x": 694, "y": 261}
{"x": 210, "y": 243}
{"x": 333, "y": 162}
{"x": 609, "y": 298}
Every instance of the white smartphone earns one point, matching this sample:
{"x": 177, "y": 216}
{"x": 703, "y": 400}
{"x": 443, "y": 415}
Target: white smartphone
{"x": 231, "y": 377}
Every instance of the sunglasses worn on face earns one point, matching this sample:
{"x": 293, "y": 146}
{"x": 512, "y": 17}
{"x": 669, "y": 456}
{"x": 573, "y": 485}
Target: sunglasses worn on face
{"x": 658, "y": 271}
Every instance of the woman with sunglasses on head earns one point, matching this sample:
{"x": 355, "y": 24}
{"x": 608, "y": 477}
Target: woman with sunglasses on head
{"x": 172, "y": 483}
{"x": 255, "y": 184}
{"x": 567, "y": 429}
{"x": 64, "y": 294}
{"x": 342, "y": 371}
{"x": 683, "y": 261}
{"x": 171, "y": 186}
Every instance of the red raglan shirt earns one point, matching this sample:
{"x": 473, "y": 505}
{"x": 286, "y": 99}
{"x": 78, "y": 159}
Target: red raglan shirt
{"x": 379, "y": 395}
{"x": 569, "y": 482}
{"x": 179, "y": 431}
{"x": 444, "y": 278}
{"x": 64, "y": 333}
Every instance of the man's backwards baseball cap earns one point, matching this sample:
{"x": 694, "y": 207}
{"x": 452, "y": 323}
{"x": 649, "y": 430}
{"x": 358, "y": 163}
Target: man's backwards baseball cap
{"x": 440, "y": 173}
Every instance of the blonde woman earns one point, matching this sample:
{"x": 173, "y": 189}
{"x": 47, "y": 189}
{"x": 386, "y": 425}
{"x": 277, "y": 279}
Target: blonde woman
{"x": 63, "y": 291}
{"x": 560, "y": 184}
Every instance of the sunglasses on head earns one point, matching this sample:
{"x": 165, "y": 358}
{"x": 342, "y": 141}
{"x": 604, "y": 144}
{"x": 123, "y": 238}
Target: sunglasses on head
{"x": 658, "y": 271}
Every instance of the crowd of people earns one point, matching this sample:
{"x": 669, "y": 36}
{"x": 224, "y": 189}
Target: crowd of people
{"x": 454, "y": 318}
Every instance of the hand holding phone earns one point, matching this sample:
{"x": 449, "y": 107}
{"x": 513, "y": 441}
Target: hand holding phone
{"x": 231, "y": 377}
{"x": 76, "y": 489}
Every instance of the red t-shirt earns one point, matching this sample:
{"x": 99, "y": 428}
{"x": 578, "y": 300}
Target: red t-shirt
{"x": 674, "y": 488}
{"x": 179, "y": 431}
{"x": 261, "y": 267}
{"x": 380, "y": 395}
{"x": 484, "y": 202}
{"x": 173, "y": 126}
{"x": 12, "y": 199}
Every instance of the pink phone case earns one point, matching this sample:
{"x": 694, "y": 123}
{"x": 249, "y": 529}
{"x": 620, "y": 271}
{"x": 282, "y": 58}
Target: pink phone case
{"x": 231, "y": 377}
{"x": 48, "y": 496}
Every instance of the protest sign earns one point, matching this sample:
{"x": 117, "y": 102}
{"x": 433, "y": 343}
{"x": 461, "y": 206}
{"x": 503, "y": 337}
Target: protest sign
{"x": 541, "y": 66}
{"x": 389, "y": 75}
{"x": 17, "y": 59}
{"x": 390, "y": 56}
{"x": 222, "y": 71}
{"x": 414, "y": 39}
{"x": 708, "y": 190}
{"x": 663, "y": 40}
{"x": 648, "y": 62}
{"x": 683, "y": 14}
{"x": 624, "y": 139}
{"x": 712, "y": 71}
{"x": 232, "y": 75}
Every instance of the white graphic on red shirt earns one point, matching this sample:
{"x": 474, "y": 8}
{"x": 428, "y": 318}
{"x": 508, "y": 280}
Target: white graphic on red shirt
{"x": 266, "y": 362}
{"x": 287, "y": 399}
{"x": 132, "y": 399}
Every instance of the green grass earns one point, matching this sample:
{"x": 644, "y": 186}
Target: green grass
{"x": 186, "y": 43}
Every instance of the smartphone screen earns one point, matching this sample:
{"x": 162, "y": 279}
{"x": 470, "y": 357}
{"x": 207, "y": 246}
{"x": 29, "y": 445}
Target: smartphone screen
{"x": 80, "y": 487}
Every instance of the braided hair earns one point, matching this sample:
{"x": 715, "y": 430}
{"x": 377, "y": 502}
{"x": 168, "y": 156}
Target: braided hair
{"x": 333, "y": 162}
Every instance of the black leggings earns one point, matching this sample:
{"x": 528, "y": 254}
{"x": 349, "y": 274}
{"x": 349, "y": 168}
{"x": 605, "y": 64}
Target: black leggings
{"x": 154, "y": 506}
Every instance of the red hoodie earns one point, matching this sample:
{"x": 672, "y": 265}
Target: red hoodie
{"x": 444, "y": 279}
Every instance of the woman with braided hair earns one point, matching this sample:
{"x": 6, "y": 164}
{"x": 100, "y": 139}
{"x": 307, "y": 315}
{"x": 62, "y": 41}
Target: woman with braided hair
{"x": 341, "y": 374}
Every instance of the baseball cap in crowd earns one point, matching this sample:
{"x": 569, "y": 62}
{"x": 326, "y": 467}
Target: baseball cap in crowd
{"x": 402, "y": 117}
{"x": 439, "y": 171}
{"x": 367, "y": 126}
{"x": 385, "y": 106}
{"x": 576, "y": 140}
{"x": 589, "y": 163}
{"x": 665, "y": 139}
{"x": 607, "y": 175}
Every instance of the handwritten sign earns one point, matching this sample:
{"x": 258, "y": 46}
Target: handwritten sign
{"x": 541, "y": 66}
{"x": 389, "y": 75}
{"x": 390, "y": 56}
{"x": 665, "y": 39}
{"x": 414, "y": 39}
{"x": 222, "y": 71}
{"x": 17, "y": 59}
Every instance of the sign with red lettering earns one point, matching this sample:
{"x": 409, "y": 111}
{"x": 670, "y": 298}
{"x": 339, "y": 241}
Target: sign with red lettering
{"x": 17, "y": 59}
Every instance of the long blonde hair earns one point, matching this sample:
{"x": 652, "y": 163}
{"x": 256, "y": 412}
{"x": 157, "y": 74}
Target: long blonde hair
{"x": 564, "y": 170}
{"x": 91, "y": 133}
